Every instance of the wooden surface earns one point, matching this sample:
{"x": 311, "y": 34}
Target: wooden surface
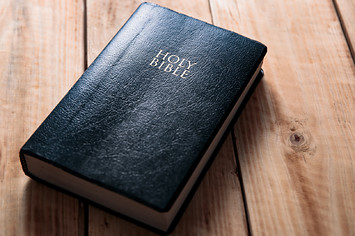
{"x": 41, "y": 56}
{"x": 295, "y": 139}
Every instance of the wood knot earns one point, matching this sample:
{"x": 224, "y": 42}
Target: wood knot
{"x": 299, "y": 142}
{"x": 296, "y": 138}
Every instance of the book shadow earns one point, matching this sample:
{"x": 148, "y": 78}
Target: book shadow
{"x": 49, "y": 211}
{"x": 253, "y": 121}
{"x": 218, "y": 199}
{"x": 248, "y": 129}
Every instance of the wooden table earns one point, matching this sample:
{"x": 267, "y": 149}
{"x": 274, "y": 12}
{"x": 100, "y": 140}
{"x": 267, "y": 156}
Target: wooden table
{"x": 287, "y": 167}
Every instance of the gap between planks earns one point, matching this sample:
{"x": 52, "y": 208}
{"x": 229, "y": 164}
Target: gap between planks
{"x": 345, "y": 10}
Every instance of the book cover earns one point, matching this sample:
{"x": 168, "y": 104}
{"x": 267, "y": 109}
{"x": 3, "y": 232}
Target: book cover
{"x": 136, "y": 130}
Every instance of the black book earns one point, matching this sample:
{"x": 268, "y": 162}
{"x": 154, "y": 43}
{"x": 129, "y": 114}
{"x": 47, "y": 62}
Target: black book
{"x": 136, "y": 130}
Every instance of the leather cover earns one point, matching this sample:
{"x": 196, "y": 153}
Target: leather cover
{"x": 141, "y": 116}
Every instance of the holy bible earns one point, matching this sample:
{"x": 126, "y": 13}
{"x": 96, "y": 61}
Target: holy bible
{"x": 136, "y": 130}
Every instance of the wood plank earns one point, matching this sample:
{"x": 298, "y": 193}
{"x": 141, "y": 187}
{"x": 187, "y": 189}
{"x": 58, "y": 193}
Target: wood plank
{"x": 295, "y": 137}
{"x": 217, "y": 207}
{"x": 41, "y": 48}
{"x": 346, "y": 13}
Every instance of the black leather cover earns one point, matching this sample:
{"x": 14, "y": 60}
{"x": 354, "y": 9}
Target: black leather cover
{"x": 136, "y": 129}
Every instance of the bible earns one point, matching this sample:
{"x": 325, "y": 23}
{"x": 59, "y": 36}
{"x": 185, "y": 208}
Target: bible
{"x": 136, "y": 130}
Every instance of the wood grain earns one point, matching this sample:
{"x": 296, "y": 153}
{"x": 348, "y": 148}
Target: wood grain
{"x": 345, "y": 10}
{"x": 295, "y": 137}
{"x": 41, "y": 57}
{"x": 217, "y": 207}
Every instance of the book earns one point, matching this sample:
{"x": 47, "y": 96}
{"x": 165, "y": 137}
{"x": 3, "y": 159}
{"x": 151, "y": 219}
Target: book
{"x": 136, "y": 130}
